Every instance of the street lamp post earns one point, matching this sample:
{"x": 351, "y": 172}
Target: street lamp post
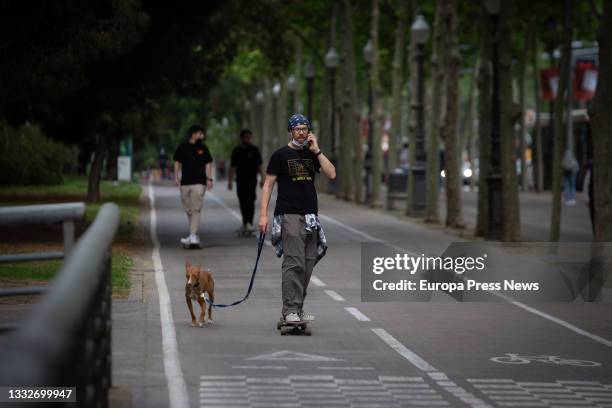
{"x": 309, "y": 74}
{"x": 495, "y": 227}
{"x": 276, "y": 90}
{"x": 331, "y": 62}
{"x": 420, "y": 35}
{"x": 367, "y": 56}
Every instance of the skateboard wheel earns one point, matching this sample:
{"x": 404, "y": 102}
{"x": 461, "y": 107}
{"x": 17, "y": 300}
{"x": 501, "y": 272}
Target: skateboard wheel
{"x": 283, "y": 331}
{"x": 278, "y": 325}
{"x": 307, "y": 331}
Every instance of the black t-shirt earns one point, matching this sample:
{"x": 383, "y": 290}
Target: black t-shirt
{"x": 246, "y": 158}
{"x": 295, "y": 174}
{"x": 193, "y": 157}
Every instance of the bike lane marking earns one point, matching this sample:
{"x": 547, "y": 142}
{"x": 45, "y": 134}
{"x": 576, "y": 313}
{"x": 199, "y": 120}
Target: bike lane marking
{"x": 177, "y": 389}
{"x": 357, "y": 314}
{"x": 335, "y": 295}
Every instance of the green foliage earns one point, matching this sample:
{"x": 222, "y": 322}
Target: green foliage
{"x": 121, "y": 264}
{"x": 28, "y": 157}
{"x": 247, "y": 65}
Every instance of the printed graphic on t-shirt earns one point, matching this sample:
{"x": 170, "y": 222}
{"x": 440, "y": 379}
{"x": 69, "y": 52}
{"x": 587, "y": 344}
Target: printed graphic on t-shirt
{"x": 300, "y": 169}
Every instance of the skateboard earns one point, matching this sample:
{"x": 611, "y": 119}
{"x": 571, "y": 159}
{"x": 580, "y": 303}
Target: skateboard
{"x": 300, "y": 327}
{"x": 244, "y": 233}
{"x": 192, "y": 246}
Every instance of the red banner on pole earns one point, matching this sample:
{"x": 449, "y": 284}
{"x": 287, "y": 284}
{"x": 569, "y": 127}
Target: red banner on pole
{"x": 549, "y": 81}
{"x": 585, "y": 80}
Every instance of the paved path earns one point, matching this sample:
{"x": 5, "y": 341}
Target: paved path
{"x": 535, "y": 216}
{"x": 360, "y": 354}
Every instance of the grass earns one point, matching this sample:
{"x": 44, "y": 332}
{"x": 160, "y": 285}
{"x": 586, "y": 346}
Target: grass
{"x": 45, "y": 270}
{"x": 124, "y": 194}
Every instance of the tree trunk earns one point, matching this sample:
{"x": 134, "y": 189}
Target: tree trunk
{"x": 466, "y": 129}
{"x": 93, "y": 187}
{"x": 555, "y": 216}
{"x": 454, "y": 217}
{"x": 351, "y": 146}
{"x": 511, "y": 210}
{"x": 601, "y": 122}
{"x": 111, "y": 158}
{"x": 326, "y": 109}
{"x": 398, "y": 80}
{"x": 348, "y": 102}
{"x": 433, "y": 146}
{"x": 378, "y": 114}
{"x": 537, "y": 127}
{"x": 484, "y": 123}
{"x": 522, "y": 87}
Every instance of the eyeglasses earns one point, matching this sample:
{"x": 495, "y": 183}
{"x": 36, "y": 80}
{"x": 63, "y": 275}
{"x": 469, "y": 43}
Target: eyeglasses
{"x": 301, "y": 130}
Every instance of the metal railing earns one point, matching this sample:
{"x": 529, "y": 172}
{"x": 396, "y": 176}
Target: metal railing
{"x": 45, "y": 214}
{"x": 66, "y": 339}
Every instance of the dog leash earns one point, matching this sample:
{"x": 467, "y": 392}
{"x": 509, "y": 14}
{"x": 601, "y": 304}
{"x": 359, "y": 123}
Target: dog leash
{"x": 260, "y": 244}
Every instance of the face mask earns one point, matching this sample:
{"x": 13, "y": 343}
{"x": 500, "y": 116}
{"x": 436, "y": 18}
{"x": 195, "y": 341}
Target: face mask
{"x": 298, "y": 144}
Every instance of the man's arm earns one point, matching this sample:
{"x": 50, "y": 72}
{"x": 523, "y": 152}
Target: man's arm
{"x": 265, "y": 201}
{"x": 230, "y": 177}
{"x": 209, "y": 180}
{"x": 177, "y": 167}
{"x": 327, "y": 167}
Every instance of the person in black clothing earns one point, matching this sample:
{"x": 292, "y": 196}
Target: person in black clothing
{"x": 296, "y": 221}
{"x": 246, "y": 164}
{"x": 194, "y": 161}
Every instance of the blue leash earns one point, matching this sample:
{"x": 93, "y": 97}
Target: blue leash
{"x": 260, "y": 244}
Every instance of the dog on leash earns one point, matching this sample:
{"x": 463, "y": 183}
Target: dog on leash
{"x": 198, "y": 283}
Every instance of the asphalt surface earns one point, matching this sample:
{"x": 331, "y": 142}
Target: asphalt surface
{"x": 360, "y": 354}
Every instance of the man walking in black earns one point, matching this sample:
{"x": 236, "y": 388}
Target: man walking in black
{"x": 246, "y": 164}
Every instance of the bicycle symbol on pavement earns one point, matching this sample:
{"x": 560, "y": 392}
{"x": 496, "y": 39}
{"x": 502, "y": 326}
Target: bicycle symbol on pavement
{"x": 511, "y": 358}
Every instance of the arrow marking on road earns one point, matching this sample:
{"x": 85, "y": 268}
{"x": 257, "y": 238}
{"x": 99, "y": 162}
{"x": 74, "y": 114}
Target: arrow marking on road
{"x": 287, "y": 355}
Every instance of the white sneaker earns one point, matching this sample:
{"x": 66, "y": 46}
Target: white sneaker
{"x": 292, "y": 318}
{"x": 194, "y": 240}
{"x": 185, "y": 241}
{"x": 248, "y": 227}
{"x": 307, "y": 317}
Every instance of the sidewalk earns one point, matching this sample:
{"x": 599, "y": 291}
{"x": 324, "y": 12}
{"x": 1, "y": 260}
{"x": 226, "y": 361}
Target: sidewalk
{"x": 535, "y": 211}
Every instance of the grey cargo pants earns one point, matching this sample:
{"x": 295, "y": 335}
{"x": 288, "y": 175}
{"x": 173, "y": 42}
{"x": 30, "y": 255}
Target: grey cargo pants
{"x": 299, "y": 258}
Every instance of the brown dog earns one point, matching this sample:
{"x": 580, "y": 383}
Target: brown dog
{"x": 198, "y": 283}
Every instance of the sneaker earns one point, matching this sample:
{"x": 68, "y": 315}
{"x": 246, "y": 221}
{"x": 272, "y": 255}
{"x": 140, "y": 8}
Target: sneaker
{"x": 194, "y": 240}
{"x": 292, "y": 318}
{"x": 248, "y": 227}
{"x": 185, "y": 241}
{"x": 307, "y": 317}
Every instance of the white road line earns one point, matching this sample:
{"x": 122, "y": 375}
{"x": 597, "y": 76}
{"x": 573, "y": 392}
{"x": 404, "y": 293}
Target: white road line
{"x": 177, "y": 389}
{"x": 334, "y": 295}
{"x": 346, "y": 368}
{"x": 247, "y": 367}
{"x": 529, "y": 309}
{"x": 357, "y": 314}
{"x": 409, "y": 355}
{"x": 317, "y": 281}
{"x": 565, "y": 324}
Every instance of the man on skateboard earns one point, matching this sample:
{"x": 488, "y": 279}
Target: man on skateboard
{"x": 192, "y": 158}
{"x": 297, "y": 234}
{"x": 246, "y": 165}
